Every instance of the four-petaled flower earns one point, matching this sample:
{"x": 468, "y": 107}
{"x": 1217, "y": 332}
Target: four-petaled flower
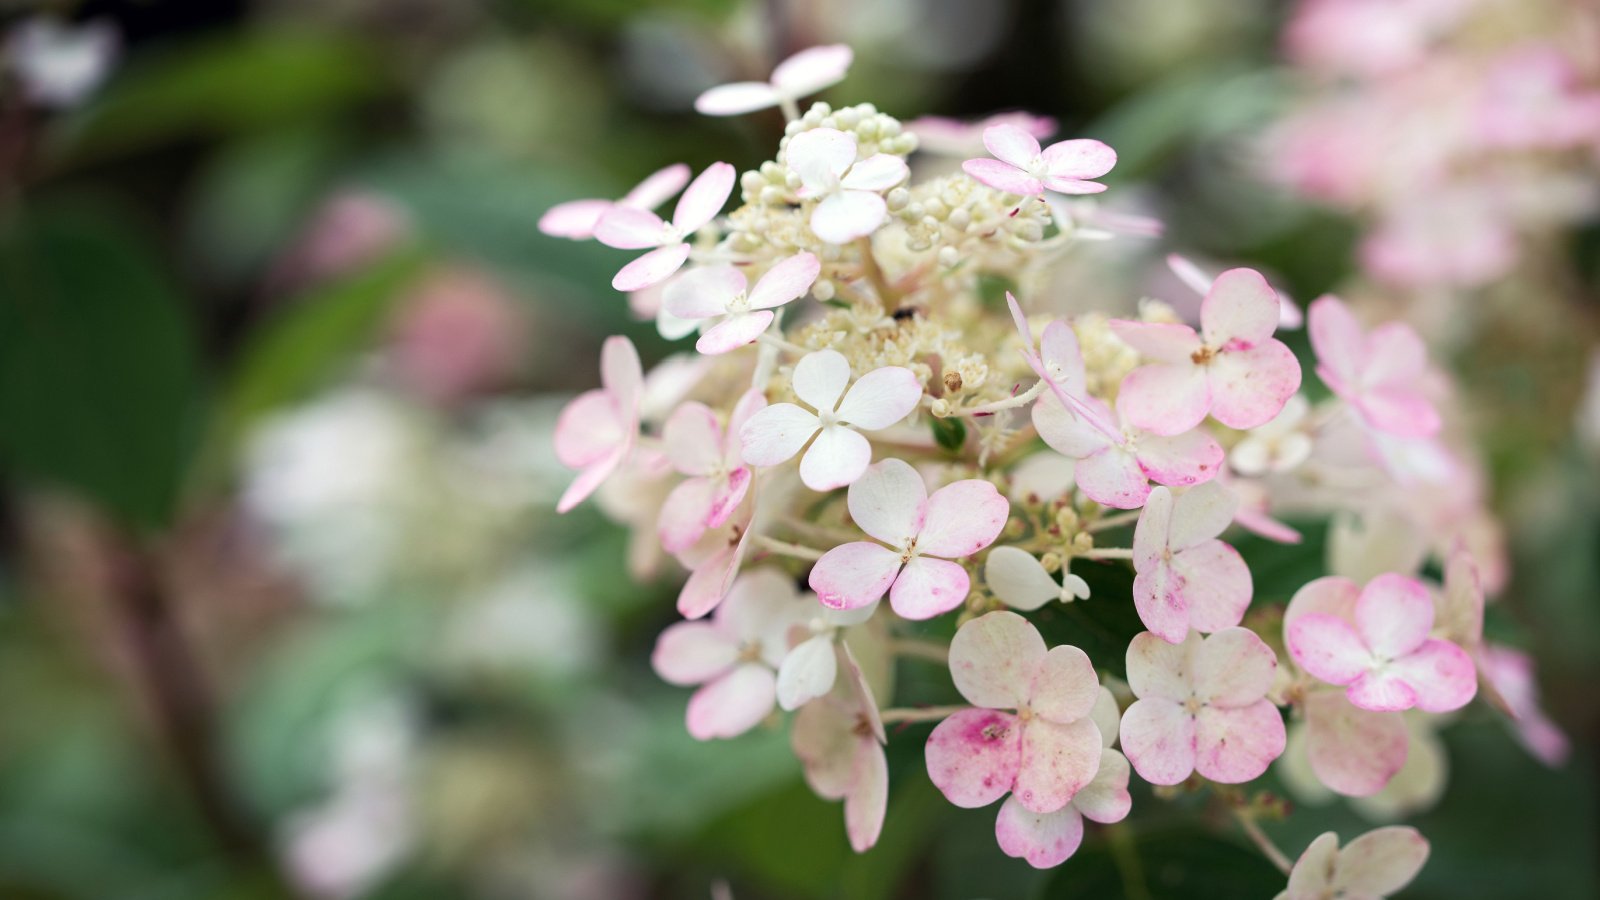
{"x": 1378, "y": 374}
{"x": 839, "y": 454}
{"x": 577, "y": 219}
{"x": 1379, "y": 648}
{"x": 1021, "y": 168}
{"x": 839, "y": 741}
{"x": 1202, "y": 707}
{"x": 1234, "y": 369}
{"x": 627, "y": 228}
{"x": 891, "y": 503}
{"x": 1371, "y": 867}
{"x": 743, "y": 313}
{"x": 597, "y": 430}
{"x": 1116, "y": 468}
{"x": 1186, "y": 577}
{"x": 848, "y": 194}
{"x": 804, "y": 73}
{"x": 1046, "y": 749}
{"x": 700, "y": 448}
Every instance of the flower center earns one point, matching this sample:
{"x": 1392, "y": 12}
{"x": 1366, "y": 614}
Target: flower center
{"x": 1203, "y": 356}
{"x": 908, "y": 550}
{"x": 740, "y": 303}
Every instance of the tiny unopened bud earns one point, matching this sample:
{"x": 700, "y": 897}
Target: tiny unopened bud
{"x": 960, "y": 218}
{"x": 1015, "y": 528}
{"x": 1051, "y": 562}
{"x": 1082, "y": 542}
{"x": 823, "y": 290}
{"x": 897, "y": 199}
{"x": 1067, "y": 519}
{"x": 940, "y": 408}
{"x": 949, "y": 256}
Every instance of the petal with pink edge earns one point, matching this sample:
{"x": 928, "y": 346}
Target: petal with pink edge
{"x": 1159, "y": 669}
{"x": 623, "y": 378}
{"x": 1011, "y": 144}
{"x": 813, "y": 69}
{"x": 1113, "y": 477}
{"x": 1394, "y": 615}
{"x": 880, "y": 398}
{"x": 703, "y": 198}
{"x": 1331, "y": 595}
{"x": 693, "y": 653}
{"x": 972, "y": 756}
{"x": 1381, "y": 690}
{"x": 853, "y": 575}
{"x": 657, "y": 187}
{"x": 734, "y": 332}
{"x": 928, "y": 587}
{"x": 1106, "y": 798}
{"x": 685, "y": 515}
{"x": 868, "y": 798}
{"x": 888, "y": 501}
{"x": 1233, "y": 667}
{"x": 1250, "y": 387}
{"x": 1062, "y": 357}
{"x": 1181, "y": 460}
{"x": 1057, "y": 761}
{"x": 1216, "y": 585}
{"x": 736, "y": 99}
{"x": 1240, "y": 308}
{"x": 1440, "y": 674}
{"x": 1381, "y": 862}
{"x": 575, "y": 219}
{"x": 1158, "y": 738}
{"x": 708, "y": 584}
{"x": 589, "y": 480}
{"x": 1327, "y": 648}
{"x": 1201, "y": 514}
{"x": 703, "y": 292}
{"x": 962, "y": 518}
{"x": 626, "y": 228}
{"x": 1162, "y": 342}
{"x": 732, "y": 704}
{"x": 652, "y": 268}
{"x": 587, "y": 429}
{"x": 1065, "y": 687}
{"x": 1064, "y": 432}
{"x": 1399, "y": 411}
{"x": 1165, "y": 399}
{"x": 836, "y": 458}
{"x": 846, "y": 215}
{"x": 875, "y": 173}
{"x": 692, "y": 439}
{"x": 1003, "y": 177}
{"x": 1337, "y": 339}
{"x": 776, "y": 434}
{"x": 1163, "y": 606}
{"x": 1153, "y": 531}
{"x": 1352, "y": 751}
{"x": 786, "y": 281}
{"x": 994, "y": 659}
{"x": 1236, "y": 745}
{"x": 1078, "y": 159}
{"x": 1044, "y": 840}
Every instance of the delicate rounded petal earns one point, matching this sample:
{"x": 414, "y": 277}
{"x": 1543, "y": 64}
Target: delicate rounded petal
{"x": 880, "y": 398}
{"x": 1064, "y": 432}
{"x": 1003, "y": 177}
{"x": 836, "y": 458}
{"x": 1165, "y": 399}
{"x": 1395, "y": 355}
{"x": 732, "y": 704}
{"x": 1106, "y": 798}
{"x": 994, "y": 659}
{"x": 734, "y": 332}
{"x": 928, "y": 587}
{"x": 820, "y": 377}
{"x": 962, "y": 518}
{"x": 1215, "y": 583}
{"x": 1201, "y": 514}
{"x": 786, "y": 281}
{"x": 1240, "y": 307}
{"x": 812, "y": 69}
{"x": 709, "y": 583}
{"x": 1062, "y": 357}
{"x": 588, "y": 429}
{"x": 1337, "y": 339}
{"x": 1113, "y": 477}
{"x": 1440, "y": 674}
{"x": 1249, "y": 387}
{"x": 589, "y": 480}
{"x": 575, "y": 219}
{"x": 657, "y": 187}
{"x": 652, "y": 268}
{"x": 1065, "y": 687}
{"x": 693, "y": 653}
{"x": 1352, "y": 751}
{"x": 1044, "y": 840}
{"x": 1180, "y": 460}
{"x": 853, "y": 575}
{"x": 776, "y": 433}
{"x": 703, "y": 292}
{"x": 1381, "y": 862}
{"x": 807, "y": 672}
{"x": 887, "y": 501}
{"x": 1311, "y": 877}
{"x": 1161, "y": 342}
{"x": 692, "y": 439}
{"x": 846, "y": 215}
{"x": 1160, "y": 599}
{"x": 1152, "y": 533}
{"x": 1328, "y": 648}
{"x": 1381, "y": 690}
{"x": 868, "y": 799}
{"x": 685, "y": 515}
{"x": 627, "y": 228}
{"x": 1019, "y": 579}
{"x": 736, "y": 99}
{"x": 1077, "y": 160}
{"x": 1106, "y": 715}
{"x": 1011, "y": 144}
{"x": 824, "y": 741}
{"x": 703, "y": 198}
{"x": 1057, "y": 761}
{"x": 1158, "y": 737}
{"x": 726, "y": 495}
{"x": 1394, "y": 615}
{"x": 1233, "y": 667}
{"x": 875, "y": 173}
{"x": 1331, "y": 595}
{"x": 623, "y": 378}
{"x": 1233, "y": 746}
{"x": 1157, "y": 669}
{"x": 973, "y": 756}
{"x": 818, "y": 156}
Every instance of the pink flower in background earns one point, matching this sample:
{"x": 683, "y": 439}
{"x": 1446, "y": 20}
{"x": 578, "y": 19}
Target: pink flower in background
{"x": 734, "y": 656}
{"x": 839, "y": 740}
{"x": 848, "y": 193}
{"x": 807, "y": 72}
{"x": 741, "y": 313}
{"x": 1021, "y": 168}
{"x": 700, "y": 448}
{"x": 1459, "y": 236}
{"x": 457, "y": 333}
{"x": 1533, "y": 97}
{"x": 1046, "y": 751}
{"x": 1353, "y": 751}
{"x": 953, "y": 137}
{"x": 1202, "y": 707}
{"x": 627, "y": 228}
{"x": 597, "y": 430}
{"x": 350, "y": 229}
{"x": 1187, "y": 579}
{"x": 1117, "y": 470}
{"x": 891, "y": 503}
{"x": 1234, "y": 369}
{"x": 577, "y": 219}
{"x": 1511, "y": 673}
{"x": 1372, "y": 867}
{"x": 1382, "y": 651}
{"x": 839, "y": 454}
{"x": 1378, "y": 374}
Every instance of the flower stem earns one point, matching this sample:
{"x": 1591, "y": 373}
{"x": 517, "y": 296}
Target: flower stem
{"x": 887, "y": 295}
{"x": 1106, "y": 553}
{"x": 781, "y": 344}
{"x": 784, "y": 548}
{"x": 918, "y": 714}
{"x": 1264, "y": 843}
{"x": 1126, "y": 857}
{"x": 921, "y": 649}
{"x": 1012, "y": 402}
{"x": 1105, "y": 522}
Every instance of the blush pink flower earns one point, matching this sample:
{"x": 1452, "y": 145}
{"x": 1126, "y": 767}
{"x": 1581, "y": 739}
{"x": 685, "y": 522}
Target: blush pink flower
{"x": 698, "y": 446}
{"x": 1186, "y": 578}
{"x": 627, "y": 228}
{"x": 1202, "y": 707}
{"x": 741, "y": 313}
{"x": 1116, "y": 469}
{"x": 1031, "y": 734}
{"x": 839, "y": 454}
{"x": 1511, "y": 673}
{"x": 734, "y": 656}
{"x": 1197, "y": 280}
{"x": 1233, "y": 369}
{"x": 848, "y": 194}
{"x": 1378, "y": 374}
{"x": 891, "y": 503}
{"x": 1372, "y": 867}
{"x": 597, "y": 430}
{"x": 807, "y": 72}
{"x": 1382, "y": 653}
{"x": 839, "y": 742}
{"x": 1354, "y": 752}
{"x": 1021, "y": 168}
{"x": 1046, "y": 840}
{"x": 577, "y": 219}
{"x": 953, "y": 137}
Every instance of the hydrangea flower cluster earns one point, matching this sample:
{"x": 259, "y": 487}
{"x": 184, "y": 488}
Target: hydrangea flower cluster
{"x": 863, "y": 414}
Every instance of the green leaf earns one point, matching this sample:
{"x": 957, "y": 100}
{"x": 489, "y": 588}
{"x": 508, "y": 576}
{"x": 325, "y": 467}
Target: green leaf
{"x": 950, "y": 434}
{"x": 1172, "y": 864}
{"x": 993, "y": 287}
{"x": 99, "y": 390}
{"x": 1101, "y": 626}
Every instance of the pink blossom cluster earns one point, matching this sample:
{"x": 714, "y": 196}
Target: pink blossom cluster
{"x": 854, "y": 424}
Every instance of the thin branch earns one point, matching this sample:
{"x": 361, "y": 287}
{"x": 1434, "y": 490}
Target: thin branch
{"x": 918, "y": 714}
{"x": 1264, "y": 843}
{"x": 1106, "y": 553}
{"x": 920, "y": 649}
{"x": 784, "y": 548}
{"x": 1105, "y": 522}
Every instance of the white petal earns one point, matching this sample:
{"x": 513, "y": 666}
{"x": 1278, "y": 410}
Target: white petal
{"x": 819, "y": 378}
{"x": 1019, "y": 579}
{"x": 807, "y": 672}
{"x": 844, "y": 216}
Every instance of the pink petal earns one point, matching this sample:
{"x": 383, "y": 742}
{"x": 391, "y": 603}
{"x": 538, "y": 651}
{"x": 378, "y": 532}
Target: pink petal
{"x": 703, "y": 292}
{"x": 732, "y": 704}
{"x": 1165, "y": 399}
{"x": 652, "y": 268}
{"x": 685, "y": 515}
{"x": 1062, "y": 357}
{"x": 1044, "y": 840}
{"x": 776, "y": 434}
{"x": 1189, "y": 274}
{"x": 786, "y": 281}
{"x": 657, "y": 187}
{"x": 1380, "y": 862}
{"x": 734, "y": 332}
{"x": 575, "y": 219}
{"x": 1233, "y": 746}
{"x": 1078, "y": 160}
{"x": 1152, "y": 533}
{"x": 812, "y": 69}
{"x": 824, "y": 741}
{"x": 1064, "y": 432}
{"x": 704, "y": 198}
{"x": 1180, "y": 460}
{"x": 818, "y": 156}
{"x": 1440, "y": 674}
{"x": 1158, "y": 737}
{"x": 846, "y": 215}
{"x": 928, "y": 587}
{"x": 973, "y": 756}
{"x": 1352, "y": 751}
{"x": 1003, "y": 177}
{"x": 727, "y": 496}
{"x": 693, "y": 653}
{"x": 1216, "y": 585}
{"x": 1393, "y": 615}
{"x": 1233, "y": 667}
{"x": 887, "y": 502}
{"x": 1113, "y": 477}
{"x": 1331, "y": 595}
{"x": 962, "y": 518}
{"x": 1011, "y": 144}
{"x": 1160, "y": 669}
{"x": 692, "y": 439}
{"x": 1309, "y": 880}
{"x": 836, "y": 458}
{"x": 1395, "y": 355}
{"x": 709, "y": 583}
{"x": 868, "y": 799}
{"x": 1162, "y": 342}
{"x": 1381, "y": 690}
{"x": 1065, "y": 688}
{"x": 736, "y": 99}
{"x": 1057, "y": 761}
{"x": 1106, "y": 799}
{"x": 1163, "y": 606}
{"x": 880, "y": 398}
{"x": 1328, "y": 648}
{"x": 589, "y": 480}
{"x": 1240, "y": 307}
{"x": 1072, "y": 185}
{"x": 623, "y": 378}
{"x": 1401, "y": 412}
{"x": 1338, "y": 341}
{"x": 875, "y": 173}
{"x": 853, "y": 575}
{"x": 588, "y": 429}
{"x": 819, "y": 378}
{"x": 1250, "y": 387}
{"x": 995, "y": 658}
{"x": 1202, "y": 513}
{"x": 626, "y": 228}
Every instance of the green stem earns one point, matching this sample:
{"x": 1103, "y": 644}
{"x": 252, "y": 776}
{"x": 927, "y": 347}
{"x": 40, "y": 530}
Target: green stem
{"x": 1126, "y": 856}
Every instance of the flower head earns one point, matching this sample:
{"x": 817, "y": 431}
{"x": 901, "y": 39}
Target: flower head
{"x": 802, "y": 74}
{"x": 1376, "y": 373}
{"x": 1186, "y": 577}
{"x": 577, "y": 219}
{"x": 839, "y": 739}
{"x": 848, "y": 193}
{"x": 1021, "y": 168}
{"x": 1372, "y": 867}
{"x": 597, "y": 430}
{"x": 741, "y": 313}
{"x": 629, "y": 228}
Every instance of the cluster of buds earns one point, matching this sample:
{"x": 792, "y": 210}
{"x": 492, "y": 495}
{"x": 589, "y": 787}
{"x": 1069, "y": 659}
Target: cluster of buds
{"x": 862, "y": 416}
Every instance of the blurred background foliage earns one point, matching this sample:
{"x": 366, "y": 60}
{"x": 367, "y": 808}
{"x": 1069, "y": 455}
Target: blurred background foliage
{"x": 283, "y": 607}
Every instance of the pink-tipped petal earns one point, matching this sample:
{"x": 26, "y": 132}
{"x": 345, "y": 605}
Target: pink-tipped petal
{"x": 1328, "y": 648}
{"x": 1352, "y": 751}
{"x": 1057, "y": 761}
{"x": 734, "y": 332}
{"x": 627, "y": 228}
{"x": 776, "y": 434}
{"x": 589, "y": 480}
{"x": 1201, "y": 514}
{"x": 1181, "y": 460}
{"x": 1162, "y": 342}
{"x": 1233, "y": 667}
{"x": 657, "y": 187}
{"x": 736, "y": 99}
{"x": 1440, "y": 674}
{"x": 685, "y": 515}
{"x": 726, "y": 496}
{"x": 623, "y": 378}
{"x": 875, "y": 173}
{"x": 1216, "y": 585}
{"x": 1166, "y": 399}
{"x": 1064, "y": 432}
{"x": 928, "y": 587}
{"x": 1331, "y": 595}
{"x": 1113, "y": 477}
{"x": 703, "y": 292}
{"x": 887, "y": 502}
{"x": 1380, "y": 862}
{"x": 1233, "y": 746}
{"x": 1249, "y": 387}
{"x": 786, "y": 281}
{"x": 820, "y": 377}
{"x": 1003, "y": 177}
{"x": 1078, "y": 160}
{"x": 962, "y": 518}
{"x": 1394, "y": 615}
{"x": 1011, "y": 144}
{"x": 1158, "y": 737}
{"x": 693, "y": 653}
{"x": 1381, "y": 691}
{"x": 1065, "y": 687}
{"x": 973, "y": 755}
{"x": 1044, "y": 840}
{"x": 836, "y": 458}
{"x": 1106, "y": 799}
{"x": 868, "y": 798}
{"x": 846, "y": 215}
{"x": 1062, "y": 357}
{"x": 1337, "y": 339}
{"x": 994, "y": 660}
{"x": 588, "y": 429}
{"x": 1239, "y": 308}
{"x": 853, "y": 575}
{"x": 732, "y": 704}
{"x": 1158, "y": 669}
{"x": 703, "y": 198}
{"x": 692, "y": 439}
{"x": 575, "y": 219}
{"x": 652, "y": 268}
{"x": 812, "y": 69}
{"x": 880, "y": 398}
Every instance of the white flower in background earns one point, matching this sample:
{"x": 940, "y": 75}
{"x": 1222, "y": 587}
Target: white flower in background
{"x": 802, "y": 74}
{"x": 60, "y": 65}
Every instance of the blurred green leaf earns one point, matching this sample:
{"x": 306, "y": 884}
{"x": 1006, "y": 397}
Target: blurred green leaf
{"x": 1173, "y": 865}
{"x": 98, "y": 384}
{"x": 949, "y": 433}
{"x": 1101, "y": 626}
